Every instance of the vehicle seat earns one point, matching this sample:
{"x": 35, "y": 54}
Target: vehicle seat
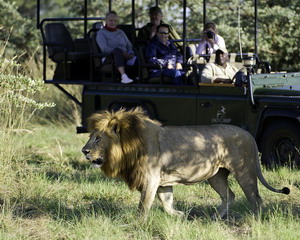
{"x": 196, "y": 63}
{"x": 192, "y": 49}
{"x": 60, "y": 44}
{"x": 61, "y": 49}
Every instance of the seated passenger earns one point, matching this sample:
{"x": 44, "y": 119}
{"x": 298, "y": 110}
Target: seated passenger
{"x": 112, "y": 40}
{"x": 147, "y": 32}
{"x": 163, "y": 52}
{"x": 220, "y": 71}
{"x": 211, "y": 40}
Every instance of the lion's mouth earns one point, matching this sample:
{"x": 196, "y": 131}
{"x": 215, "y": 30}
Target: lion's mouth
{"x": 99, "y": 161}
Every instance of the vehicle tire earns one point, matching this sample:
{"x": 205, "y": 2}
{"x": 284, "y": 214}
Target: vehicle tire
{"x": 280, "y": 144}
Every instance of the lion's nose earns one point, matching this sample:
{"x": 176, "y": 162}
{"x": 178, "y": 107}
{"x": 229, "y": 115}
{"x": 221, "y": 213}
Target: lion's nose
{"x": 85, "y": 151}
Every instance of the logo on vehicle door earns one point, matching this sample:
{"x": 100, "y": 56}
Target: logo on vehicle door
{"x": 221, "y": 116}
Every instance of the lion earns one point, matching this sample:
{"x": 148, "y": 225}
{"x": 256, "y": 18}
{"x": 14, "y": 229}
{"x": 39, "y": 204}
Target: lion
{"x": 152, "y": 158}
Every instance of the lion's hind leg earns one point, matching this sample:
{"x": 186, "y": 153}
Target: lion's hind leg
{"x": 219, "y": 183}
{"x": 248, "y": 182}
{"x": 165, "y": 195}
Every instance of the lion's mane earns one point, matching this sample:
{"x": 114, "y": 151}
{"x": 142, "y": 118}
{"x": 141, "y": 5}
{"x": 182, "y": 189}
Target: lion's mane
{"x": 126, "y": 155}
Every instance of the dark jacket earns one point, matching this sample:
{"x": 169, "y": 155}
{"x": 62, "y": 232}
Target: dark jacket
{"x": 158, "y": 53}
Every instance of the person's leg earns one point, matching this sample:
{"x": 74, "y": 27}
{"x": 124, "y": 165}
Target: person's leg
{"x": 119, "y": 60}
{"x": 176, "y": 75}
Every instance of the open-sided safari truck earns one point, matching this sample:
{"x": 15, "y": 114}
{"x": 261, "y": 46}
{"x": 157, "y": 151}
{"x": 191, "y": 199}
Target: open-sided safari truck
{"x": 267, "y": 104}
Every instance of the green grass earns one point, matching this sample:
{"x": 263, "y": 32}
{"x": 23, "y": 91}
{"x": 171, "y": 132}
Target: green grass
{"x": 49, "y": 191}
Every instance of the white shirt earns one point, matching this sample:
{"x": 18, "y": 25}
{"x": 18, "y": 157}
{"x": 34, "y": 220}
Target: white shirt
{"x": 213, "y": 71}
{"x": 203, "y": 45}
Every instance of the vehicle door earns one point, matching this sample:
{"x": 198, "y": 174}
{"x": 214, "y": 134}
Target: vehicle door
{"x": 221, "y": 103}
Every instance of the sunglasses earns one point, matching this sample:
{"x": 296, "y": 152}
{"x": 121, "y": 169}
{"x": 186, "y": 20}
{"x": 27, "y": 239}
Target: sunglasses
{"x": 163, "y": 33}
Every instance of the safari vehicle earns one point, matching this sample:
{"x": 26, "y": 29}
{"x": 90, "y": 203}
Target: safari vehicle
{"x": 266, "y": 104}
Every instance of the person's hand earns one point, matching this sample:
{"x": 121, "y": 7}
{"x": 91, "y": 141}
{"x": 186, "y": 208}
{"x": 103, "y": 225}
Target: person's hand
{"x": 128, "y": 55}
{"x": 222, "y": 80}
{"x": 178, "y": 66}
{"x": 211, "y": 41}
{"x": 170, "y": 66}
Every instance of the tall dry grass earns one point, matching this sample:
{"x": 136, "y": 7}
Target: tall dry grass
{"x": 17, "y": 106}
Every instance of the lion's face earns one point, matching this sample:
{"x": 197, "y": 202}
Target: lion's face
{"x": 95, "y": 150}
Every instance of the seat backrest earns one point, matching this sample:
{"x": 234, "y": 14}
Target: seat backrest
{"x": 58, "y": 39}
{"x": 192, "y": 48}
{"x": 129, "y": 30}
{"x": 142, "y": 58}
{"x": 97, "y": 25}
{"x": 95, "y": 49}
{"x": 212, "y": 58}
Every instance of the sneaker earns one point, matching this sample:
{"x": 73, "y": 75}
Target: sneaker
{"x": 126, "y": 79}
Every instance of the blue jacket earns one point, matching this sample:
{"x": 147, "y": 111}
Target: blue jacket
{"x": 158, "y": 53}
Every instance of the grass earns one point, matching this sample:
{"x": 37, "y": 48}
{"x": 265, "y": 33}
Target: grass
{"x": 49, "y": 191}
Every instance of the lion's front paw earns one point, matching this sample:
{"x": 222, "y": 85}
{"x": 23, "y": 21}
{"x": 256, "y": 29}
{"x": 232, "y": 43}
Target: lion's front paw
{"x": 178, "y": 213}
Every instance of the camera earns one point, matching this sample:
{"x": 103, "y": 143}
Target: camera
{"x": 210, "y": 34}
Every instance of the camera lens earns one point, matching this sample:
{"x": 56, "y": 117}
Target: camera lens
{"x": 210, "y": 34}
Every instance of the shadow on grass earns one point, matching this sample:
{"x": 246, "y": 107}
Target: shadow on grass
{"x": 239, "y": 210}
{"x": 35, "y": 208}
{"x": 78, "y": 177}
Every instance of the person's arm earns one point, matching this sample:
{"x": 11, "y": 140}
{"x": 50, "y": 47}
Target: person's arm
{"x": 102, "y": 43}
{"x": 129, "y": 53}
{"x": 230, "y": 71}
{"x": 207, "y": 75}
{"x": 151, "y": 55}
{"x": 220, "y": 42}
{"x": 201, "y": 48}
{"x": 222, "y": 80}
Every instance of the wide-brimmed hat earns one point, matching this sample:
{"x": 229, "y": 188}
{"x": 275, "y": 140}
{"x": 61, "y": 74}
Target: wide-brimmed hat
{"x": 155, "y": 9}
{"x": 222, "y": 49}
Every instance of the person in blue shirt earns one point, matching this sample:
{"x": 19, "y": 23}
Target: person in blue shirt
{"x": 163, "y": 52}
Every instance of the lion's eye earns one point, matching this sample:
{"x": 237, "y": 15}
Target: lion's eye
{"x": 98, "y": 138}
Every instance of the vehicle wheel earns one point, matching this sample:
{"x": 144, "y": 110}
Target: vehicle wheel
{"x": 280, "y": 144}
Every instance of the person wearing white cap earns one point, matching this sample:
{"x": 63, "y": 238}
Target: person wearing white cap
{"x": 220, "y": 71}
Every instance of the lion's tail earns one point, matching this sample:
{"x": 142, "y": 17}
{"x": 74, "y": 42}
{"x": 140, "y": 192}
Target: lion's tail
{"x": 262, "y": 179}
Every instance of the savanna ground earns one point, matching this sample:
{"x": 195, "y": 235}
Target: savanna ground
{"x": 49, "y": 191}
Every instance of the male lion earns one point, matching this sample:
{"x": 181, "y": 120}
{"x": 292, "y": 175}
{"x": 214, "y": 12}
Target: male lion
{"x": 151, "y": 158}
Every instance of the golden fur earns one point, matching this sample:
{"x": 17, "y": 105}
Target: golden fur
{"x": 126, "y": 153}
{"x": 152, "y": 158}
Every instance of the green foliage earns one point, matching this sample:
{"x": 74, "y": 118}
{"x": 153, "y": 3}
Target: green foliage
{"x": 16, "y": 93}
{"x": 21, "y": 32}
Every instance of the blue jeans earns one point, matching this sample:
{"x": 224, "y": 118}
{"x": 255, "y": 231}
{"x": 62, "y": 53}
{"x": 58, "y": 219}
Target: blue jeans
{"x": 174, "y": 74}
